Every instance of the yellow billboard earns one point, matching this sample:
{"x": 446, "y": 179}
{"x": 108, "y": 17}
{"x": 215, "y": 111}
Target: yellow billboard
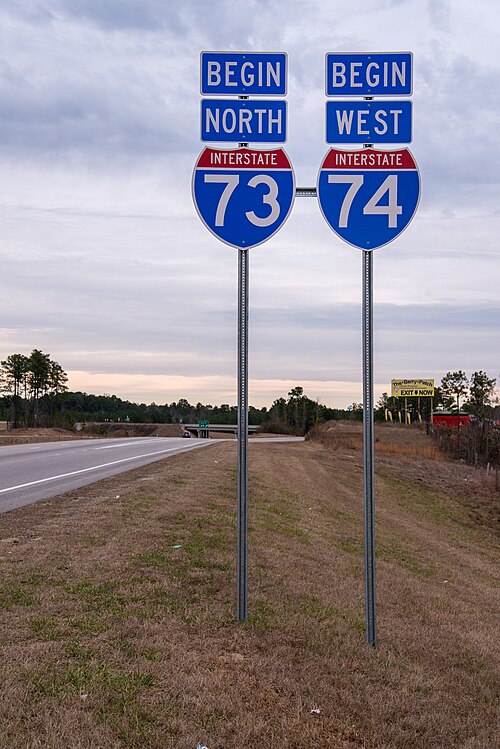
{"x": 412, "y": 388}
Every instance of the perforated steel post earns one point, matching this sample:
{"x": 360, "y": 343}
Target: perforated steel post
{"x": 242, "y": 560}
{"x": 368, "y": 449}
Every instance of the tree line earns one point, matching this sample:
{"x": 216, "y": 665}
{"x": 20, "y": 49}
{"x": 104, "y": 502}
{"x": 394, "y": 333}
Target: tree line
{"x": 35, "y": 384}
{"x": 36, "y": 395}
{"x": 298, "y": 413}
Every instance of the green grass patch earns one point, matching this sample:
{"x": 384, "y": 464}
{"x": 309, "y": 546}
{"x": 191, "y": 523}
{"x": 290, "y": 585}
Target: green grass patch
{"x": 92, "y": 623}
{"x": 45, "y": 628}
{"x": 283, "y": 513}
{"x": 22, "y": 589}
{"x": 392, "y": 552}
{"x": 261, "y": 615}
{"x": 92, "y": 678}
{"x": 315, "y": 608}
{"x": 336, "y": 514}
{"x": 273, "y": 525}
{"x": 75, "y": 650}
{"x": 125, "y": 646}
{"x": 358, "y": 624}
{"x": 16, "y": 593}
{"x": 418, "y": 498}
{"x": 97, "y": 541}
{"x": 395, "y": 553}
{"x": 150, "y": 655}
{"x": 347, "y": 544}
{"x": 178, "y": 482}
{"x": 176, "y": 566}
{"x": 102, "y": 597}
{"x": 201, "y": 541}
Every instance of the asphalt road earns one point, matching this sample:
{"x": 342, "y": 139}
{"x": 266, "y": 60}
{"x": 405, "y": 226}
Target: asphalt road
{"x": 29, "y": 473}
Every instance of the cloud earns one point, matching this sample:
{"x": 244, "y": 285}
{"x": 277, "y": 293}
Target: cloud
{"x": 112, "y": 15}
{"x": 98, "y": 93}
{"x": 29, "y": 11}
{"x": 105, "y": 263}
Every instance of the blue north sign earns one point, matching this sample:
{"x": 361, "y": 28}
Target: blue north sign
{"x": 369, "y": 74}
{"x": 368, "y": 122}
{"x": 243, "y": 73}
{"x": 242, "y": 120}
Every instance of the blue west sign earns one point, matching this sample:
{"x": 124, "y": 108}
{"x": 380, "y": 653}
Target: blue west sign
{"x": 368, "y": 197}
{"x": 369, "y": 74}
{"x": 243, "y": 73}
{"x": 243, "y": 196}
{"x": 368, "y": 122}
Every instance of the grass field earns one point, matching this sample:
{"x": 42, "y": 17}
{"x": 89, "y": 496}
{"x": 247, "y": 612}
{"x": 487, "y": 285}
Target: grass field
{"x": 117, "y": 605}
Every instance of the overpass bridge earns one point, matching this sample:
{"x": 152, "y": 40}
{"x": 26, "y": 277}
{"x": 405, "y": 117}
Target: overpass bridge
{"x": 204, "y": 431}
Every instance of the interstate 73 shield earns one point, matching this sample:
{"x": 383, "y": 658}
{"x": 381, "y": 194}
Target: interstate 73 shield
{"x": 242, "y": 195}
{"x": 368, "y": 197}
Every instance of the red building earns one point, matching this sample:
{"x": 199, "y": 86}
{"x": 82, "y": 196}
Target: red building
{"x": 449, "y": 419}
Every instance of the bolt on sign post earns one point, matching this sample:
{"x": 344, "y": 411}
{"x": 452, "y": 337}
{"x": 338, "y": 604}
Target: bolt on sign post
{"x": 368, "y": 197}
{"x": 243, "y": 196}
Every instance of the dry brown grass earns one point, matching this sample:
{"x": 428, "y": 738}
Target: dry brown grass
{"x": 112, "y": 637}
{"x": 26, "y": 436}
{"x": 93, "y": 430}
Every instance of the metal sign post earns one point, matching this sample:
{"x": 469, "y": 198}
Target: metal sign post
{"x": 368, "y": 197}
{"x": 242, "y": 550}
{"x": 368, "y": 450}
{"x": 243, "y": 196}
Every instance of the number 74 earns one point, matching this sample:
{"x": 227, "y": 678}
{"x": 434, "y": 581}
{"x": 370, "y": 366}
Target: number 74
{"x": 390, "y": 185}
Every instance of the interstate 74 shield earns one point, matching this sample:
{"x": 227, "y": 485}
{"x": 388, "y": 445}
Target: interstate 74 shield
{"x": 242, "y": 195}
{"x": 368, "y": 197}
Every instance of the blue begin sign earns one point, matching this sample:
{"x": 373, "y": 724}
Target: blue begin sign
{"x": 243, "y": 73}
{"x": 369, "y": 74}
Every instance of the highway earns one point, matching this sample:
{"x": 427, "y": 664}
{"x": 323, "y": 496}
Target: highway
{"x": 29, "y": 473}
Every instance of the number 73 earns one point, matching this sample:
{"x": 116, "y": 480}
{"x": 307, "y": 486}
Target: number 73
{"x": 390, "y": 185}
{"x": 231, "y": 181}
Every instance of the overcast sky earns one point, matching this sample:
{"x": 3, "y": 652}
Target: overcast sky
{"x": 106, "y": 265}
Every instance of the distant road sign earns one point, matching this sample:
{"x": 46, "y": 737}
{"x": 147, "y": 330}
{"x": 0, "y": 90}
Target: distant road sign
{"x": 412, "y": 388}
{"x": 244, "y": 73}
{"x": 368, "y": 122}
{"x": 368, "y": 197}
{"x": 243, "y": 196}
{"x": 242, "y": 120}
{"x": 369, "y": 74}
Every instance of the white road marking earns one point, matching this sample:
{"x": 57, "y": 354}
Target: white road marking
{"x": 93, "y": 468}
{"x": 125, "y": 444}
